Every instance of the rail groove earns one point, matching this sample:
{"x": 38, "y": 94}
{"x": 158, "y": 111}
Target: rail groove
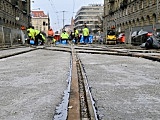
{"x": 80, "y": 106}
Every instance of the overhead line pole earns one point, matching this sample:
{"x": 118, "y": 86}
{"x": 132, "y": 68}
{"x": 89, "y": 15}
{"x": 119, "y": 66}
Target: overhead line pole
{"x": 63, "y": 16}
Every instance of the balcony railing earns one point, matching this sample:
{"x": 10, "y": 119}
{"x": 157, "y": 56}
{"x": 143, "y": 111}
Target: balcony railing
{"x": 25, "y": 11}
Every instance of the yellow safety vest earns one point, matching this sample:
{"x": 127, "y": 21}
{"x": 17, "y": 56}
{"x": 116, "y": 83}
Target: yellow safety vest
{"x": 64, "y": 35}
{"x": 31, "y": 32}
{"x": 28, "y": 31}
{"x": 36, "y": 32}
{"x": 76, "y": 33}
{"x": 85, "y": 31}
{"x": 43, "y": 37}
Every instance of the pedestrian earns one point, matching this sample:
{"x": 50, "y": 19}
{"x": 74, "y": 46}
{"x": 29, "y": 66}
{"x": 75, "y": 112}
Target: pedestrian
{"x": 64, "y": 36}
{"x": 85, "y": 33}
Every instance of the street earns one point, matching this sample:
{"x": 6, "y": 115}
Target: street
{"x": 123, "y": 87}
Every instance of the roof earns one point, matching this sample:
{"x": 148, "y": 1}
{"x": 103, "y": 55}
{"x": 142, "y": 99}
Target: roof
{"x": 38, "y": 14}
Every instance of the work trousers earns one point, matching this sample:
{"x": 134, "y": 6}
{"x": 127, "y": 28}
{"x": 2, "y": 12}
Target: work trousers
{"x": 38, "y": 37}
{"x": 86, "y": 39}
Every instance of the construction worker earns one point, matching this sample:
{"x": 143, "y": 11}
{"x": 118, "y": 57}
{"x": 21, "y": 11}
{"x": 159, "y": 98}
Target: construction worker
{"x": 76, "y": 35}
{"x": 39, "y": 35}
{"x": 31, "y": 34}
{"x": 42, "y": 38}
{"x": 50, "y": 36}
{"x": 85, "y": 32}
{"x": 50, "y": 33}
{"x": 64, "y": 36}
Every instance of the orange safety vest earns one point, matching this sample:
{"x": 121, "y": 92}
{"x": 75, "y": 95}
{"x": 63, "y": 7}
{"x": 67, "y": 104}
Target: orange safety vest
{"x": 50, "y": 32}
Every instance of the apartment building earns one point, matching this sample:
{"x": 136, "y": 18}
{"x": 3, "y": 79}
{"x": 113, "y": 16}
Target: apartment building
{"x": 91, "y": 15}
{"x": 15, "y": 13}
{"x": 130, "y": 15}
{"x": 14, "y": 19}
{"x": 40, "y": 21}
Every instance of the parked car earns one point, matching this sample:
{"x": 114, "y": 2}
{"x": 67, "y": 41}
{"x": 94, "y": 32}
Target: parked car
{"x": 121, "y": 38}
{"x": 139, "y": 37}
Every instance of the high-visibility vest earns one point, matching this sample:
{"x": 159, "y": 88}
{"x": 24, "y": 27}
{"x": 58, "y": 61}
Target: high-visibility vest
{"x": 28, "y": 31}
{"x": 43, "y": 37}
{"x": 31, "y": 32}
{"x": 37, "y": 32}
{"x": 85, "y": 31}
{"x": 50, "y": 33}
{"x": 76, "y": 33}
{"x": 64, "y": 35}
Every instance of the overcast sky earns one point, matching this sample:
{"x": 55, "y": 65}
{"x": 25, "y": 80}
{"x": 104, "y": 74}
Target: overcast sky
{"x": 55, "y": 7}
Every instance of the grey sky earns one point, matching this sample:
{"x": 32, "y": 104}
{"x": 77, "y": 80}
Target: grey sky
{"x": 55, "y": 8}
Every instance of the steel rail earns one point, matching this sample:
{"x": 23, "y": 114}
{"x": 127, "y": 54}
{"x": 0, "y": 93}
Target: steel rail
{"x": 80, "y": 106}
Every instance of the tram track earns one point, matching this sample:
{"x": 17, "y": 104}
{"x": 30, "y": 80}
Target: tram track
{"x": 81, "y": 106}
{"x": 120, "y": 51}
{"x": 80, "y": 102}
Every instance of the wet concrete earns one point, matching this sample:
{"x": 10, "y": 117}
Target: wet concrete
{"x": 124, "y": 88}
{"x": 32, "y": 84}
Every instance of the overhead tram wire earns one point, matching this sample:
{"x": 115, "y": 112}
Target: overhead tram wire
{"x": 54, "y": 10}
{"x": 73, "y": 7}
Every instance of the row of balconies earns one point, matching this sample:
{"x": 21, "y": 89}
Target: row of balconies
{"x": 124, "y": 1}
{"x": 16, "y": 3}
{"x": 123, "y": 5}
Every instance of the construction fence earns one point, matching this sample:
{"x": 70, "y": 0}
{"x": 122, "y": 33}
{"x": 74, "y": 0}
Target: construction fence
{"x": 11, "y": 36}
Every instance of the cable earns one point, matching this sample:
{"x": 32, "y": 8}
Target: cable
{"x": 73, "y": 7}
{"x": 54, "y": 9}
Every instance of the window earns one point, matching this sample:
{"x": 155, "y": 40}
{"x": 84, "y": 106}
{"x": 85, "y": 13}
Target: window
{"x": 127, "y": 11}
{"x": 133, "y": 9}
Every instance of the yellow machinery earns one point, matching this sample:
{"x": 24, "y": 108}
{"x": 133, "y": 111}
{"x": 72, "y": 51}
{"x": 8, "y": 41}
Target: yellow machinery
{"x": 111, "y": 37}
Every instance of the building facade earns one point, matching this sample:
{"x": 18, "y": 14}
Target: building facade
{"x": 14, "y": 19}
{"x": 91, "y": 15}
{"x": 40, "y": 21}
{"x": 15, "y": 13}
{"x": 130, "y": 15}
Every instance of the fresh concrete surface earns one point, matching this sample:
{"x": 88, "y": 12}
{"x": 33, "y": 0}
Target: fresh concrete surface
{"x": 32, "y": 84}
{"x": 124, "y": 88}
